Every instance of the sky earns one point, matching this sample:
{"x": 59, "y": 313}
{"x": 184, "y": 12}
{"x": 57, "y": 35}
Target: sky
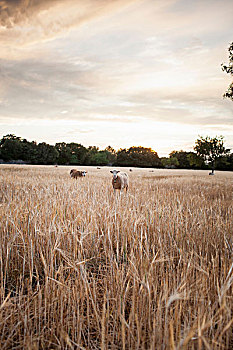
{"x": 116, "y": 72}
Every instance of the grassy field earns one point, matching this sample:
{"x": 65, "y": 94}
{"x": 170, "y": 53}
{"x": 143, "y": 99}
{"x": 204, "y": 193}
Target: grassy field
{"x": 82, "y": 269}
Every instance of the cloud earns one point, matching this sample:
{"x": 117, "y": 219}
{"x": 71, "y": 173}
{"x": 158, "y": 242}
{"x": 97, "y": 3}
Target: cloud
{"x": 83, "y": 89}
{"x": 25, "y": 25}
{"x": 126, "y": 63}
{"x": 13, "y": 12}
{"x": 24, "y": 22}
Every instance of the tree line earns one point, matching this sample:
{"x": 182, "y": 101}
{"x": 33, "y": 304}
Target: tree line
{"x": 209, "y": 153}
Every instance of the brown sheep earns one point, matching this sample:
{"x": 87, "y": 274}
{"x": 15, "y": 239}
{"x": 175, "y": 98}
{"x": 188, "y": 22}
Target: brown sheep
{"x": 119, "y": 181}
{"x": 77, "y": 173}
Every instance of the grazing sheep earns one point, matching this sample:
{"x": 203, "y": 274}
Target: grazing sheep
{"x": 77, "y": 173}
{"x": 119, "y": 181}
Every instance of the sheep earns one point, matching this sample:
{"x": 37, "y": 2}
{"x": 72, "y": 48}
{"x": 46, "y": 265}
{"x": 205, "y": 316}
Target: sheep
{"x": 77, "y": 173}
{"x": 119, "y": 181}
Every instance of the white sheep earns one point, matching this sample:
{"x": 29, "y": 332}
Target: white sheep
{"x": 119, "y": 180}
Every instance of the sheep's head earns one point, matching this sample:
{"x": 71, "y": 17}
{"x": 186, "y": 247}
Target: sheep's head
{"x": 84, "y": 173}
{"x": 114, "y": 172}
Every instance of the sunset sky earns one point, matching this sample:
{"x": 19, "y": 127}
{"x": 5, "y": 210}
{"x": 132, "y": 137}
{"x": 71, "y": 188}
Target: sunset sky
{"x": 116, "y": 72}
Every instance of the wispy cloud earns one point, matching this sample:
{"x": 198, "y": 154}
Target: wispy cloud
{"x": 24, "y": 22}
{"x": 130, "y": 64}
{"x": 15, "y": 12}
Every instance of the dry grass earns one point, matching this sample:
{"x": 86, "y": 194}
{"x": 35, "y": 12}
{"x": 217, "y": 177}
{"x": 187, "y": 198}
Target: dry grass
{"x": 80, "y": 269}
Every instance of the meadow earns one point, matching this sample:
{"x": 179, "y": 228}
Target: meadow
{"x": 81, "y": 268}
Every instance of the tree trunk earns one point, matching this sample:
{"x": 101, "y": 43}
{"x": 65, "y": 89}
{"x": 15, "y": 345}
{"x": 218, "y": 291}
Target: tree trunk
{"x": 212, "y": 166}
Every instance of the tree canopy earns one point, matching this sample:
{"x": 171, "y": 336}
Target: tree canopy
{"x": 229, "y": 69}
{"x": 138, "y": 156}
{"x": 210, "y": 149}
{"x": 209, "y": 153}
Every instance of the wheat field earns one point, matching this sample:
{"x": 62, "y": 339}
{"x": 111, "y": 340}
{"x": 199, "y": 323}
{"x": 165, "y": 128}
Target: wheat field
{"x": 81, "y": 268}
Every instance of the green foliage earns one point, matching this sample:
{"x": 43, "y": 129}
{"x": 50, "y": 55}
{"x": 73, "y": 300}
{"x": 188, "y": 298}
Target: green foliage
{"x": 185, "y": 160}
{"x": 122, "y": 157}
{"x": 11, "y": 148}
{"x": 195, "y": 161}
{"x": 110, "y": 154}
{"x": 225, "y": 162}
{"x": 14, "y": 148}
{"x": 46, "y": 154}
{"x": 210, "y": 149}
{"x": 182, "y": 158}
{"x": 229, "y": 70}
{"x": 208, "y": 152}
{"x": 64, "y": 151}
{"x": 170, "y": 163}
{"x": 96, "y": 157}
{"x": 100, "y": 158}
{"x": 29, "y": 152}
{"x": 78, "y": 153}
{"x": 91, "y": 155}
{"x": 138, "y": 156}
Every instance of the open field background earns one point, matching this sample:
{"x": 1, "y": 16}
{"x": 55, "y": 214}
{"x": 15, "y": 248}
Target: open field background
{"x": 82, "y": 269}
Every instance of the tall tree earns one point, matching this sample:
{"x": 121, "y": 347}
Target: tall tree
{"x": 29, "y": 151}
{"x": 182, "y": 157}
{"x": 138, "y": 157}
{"x": 210, "y": 149}
{"x": 170, "y": 163}
{"x": 110, "y": 154}
{"x": 78, "y": 153}
{"x": 229, "y": 69}
{"x": 46, "y": 154}
{"x": 195, "y": 161}
{"x": 187, "y": 160}
{"x": 11, "y": 148}
{"x": 64, "y": 152}
{"x": 91, "y": 155}
{"x": 99, "y": 158}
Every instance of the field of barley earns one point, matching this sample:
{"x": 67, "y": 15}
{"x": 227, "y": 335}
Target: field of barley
{"x": 81, "y": 268}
